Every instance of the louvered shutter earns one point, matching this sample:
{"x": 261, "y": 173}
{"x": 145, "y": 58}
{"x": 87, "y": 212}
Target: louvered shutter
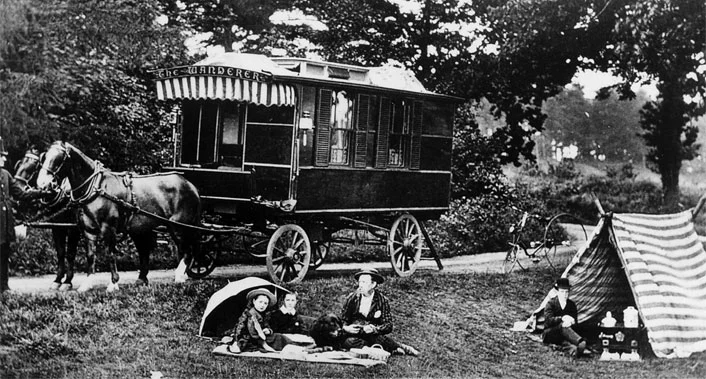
{"x": 361, "y": 133}
{"x": 383, "y": 134}
{"x": 415, "y": 157}
{"x": 323, "y": 128}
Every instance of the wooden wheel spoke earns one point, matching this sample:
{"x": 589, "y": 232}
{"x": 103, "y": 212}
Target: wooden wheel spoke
{"x": 298, "y": 243}
{"x": 282, "y": 272}
{"x": 408, "y": 228}
{"x": 278, "y": 259}
{"x": 399, "y": 260}
{"x": 278, "y": 250}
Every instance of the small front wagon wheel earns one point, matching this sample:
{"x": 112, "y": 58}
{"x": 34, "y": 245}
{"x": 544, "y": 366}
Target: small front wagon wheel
{"x": 204, "y": 261}
{"x": 319, "y": 252}
{"x": 405, "y": 245}
{"x": 288, "y": 254}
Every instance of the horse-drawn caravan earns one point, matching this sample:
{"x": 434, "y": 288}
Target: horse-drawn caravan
{"x": 298, "y": 150}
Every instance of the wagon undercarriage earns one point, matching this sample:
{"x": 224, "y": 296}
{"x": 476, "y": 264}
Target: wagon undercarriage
{"x": 291, "y": 249}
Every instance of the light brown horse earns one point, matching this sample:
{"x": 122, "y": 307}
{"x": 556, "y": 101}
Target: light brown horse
{"x": 115, "y": 203}
{"x": 65, "y": 238}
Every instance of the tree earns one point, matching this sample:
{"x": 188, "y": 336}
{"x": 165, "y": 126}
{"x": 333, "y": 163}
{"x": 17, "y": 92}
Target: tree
{"x": 79, "y": 71}
{"x": 608, "y": 127}
{"x": 663, "y": 40}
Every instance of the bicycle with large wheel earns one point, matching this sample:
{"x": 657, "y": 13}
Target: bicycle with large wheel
{"x": 542, "y": 249}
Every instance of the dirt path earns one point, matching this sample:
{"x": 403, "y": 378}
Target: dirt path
{"x": 485, "y": 263}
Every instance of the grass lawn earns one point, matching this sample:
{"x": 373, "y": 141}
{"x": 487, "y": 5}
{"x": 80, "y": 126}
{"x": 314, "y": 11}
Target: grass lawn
{"x": 461, "y": 322}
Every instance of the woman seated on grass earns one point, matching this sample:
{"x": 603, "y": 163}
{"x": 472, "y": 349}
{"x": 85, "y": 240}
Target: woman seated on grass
{"x": 252, "y": 332}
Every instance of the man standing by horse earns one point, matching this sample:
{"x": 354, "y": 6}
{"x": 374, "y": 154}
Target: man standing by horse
{"x": 9, "y": 188}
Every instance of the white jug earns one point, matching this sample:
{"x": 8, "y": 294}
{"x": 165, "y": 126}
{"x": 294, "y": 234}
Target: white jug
{"x": 630, "y": 317}
{"x": 608, "y": 321}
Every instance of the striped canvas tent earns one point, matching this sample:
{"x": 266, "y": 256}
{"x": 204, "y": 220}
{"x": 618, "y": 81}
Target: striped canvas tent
{"x": 655, "y": 263}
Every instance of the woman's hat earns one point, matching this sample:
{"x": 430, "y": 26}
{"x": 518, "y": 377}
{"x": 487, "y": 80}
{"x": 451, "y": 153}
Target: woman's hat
{"x": 562, "y": 283}
{"x": 374, "y": 274}
{"x": 263, "y": 291}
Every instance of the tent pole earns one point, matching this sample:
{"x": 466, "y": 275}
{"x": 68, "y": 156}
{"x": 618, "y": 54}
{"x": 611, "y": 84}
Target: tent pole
{"x": 699, "y": 205}
{"x": 598, "y": 204}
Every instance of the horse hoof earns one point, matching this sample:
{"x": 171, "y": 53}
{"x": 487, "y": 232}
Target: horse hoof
{"x": 54, "y": 286}
{"x": 112, "y": 287}
{"x": 142, "y": 282}
{"x": 66, "y": 287}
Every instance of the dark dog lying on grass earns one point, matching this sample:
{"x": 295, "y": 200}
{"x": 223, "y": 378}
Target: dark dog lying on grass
{"x": 327, "y": 332}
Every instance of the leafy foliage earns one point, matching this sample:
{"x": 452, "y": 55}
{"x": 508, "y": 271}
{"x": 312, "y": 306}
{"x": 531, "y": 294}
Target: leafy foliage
{"x": 663, "y": 40}
{"x": 476, "y": 166}
{"x": 78, "y": 71}
{"x": 607, "y": 127}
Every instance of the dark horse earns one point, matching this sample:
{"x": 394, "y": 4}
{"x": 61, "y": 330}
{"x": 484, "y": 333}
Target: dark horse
{"x": 115, "y": 203}
{"x": 65, "y": 238}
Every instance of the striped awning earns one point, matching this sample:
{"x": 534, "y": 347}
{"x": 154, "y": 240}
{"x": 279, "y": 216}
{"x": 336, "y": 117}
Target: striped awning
{"x": 230, "y": 76}
{"x": 225, "y": 88}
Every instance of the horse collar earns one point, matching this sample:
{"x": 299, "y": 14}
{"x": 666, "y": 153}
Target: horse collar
{"x": 91, "y": 191}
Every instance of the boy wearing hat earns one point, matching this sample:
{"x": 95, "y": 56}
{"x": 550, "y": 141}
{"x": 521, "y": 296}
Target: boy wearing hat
{"x": 366, "y": 316}
{"x": 560, "y": 315}
{"x": 9, "y": 189}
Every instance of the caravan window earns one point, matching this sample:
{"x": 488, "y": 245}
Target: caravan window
{"x": 341, "y": 126}
{"x": 212, "y": 134}
{"x": 400, "y": 132}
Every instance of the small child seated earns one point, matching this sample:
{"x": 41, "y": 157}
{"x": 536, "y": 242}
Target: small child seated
{"x": 286, "y": 319}
{"x": 253, "y": 333}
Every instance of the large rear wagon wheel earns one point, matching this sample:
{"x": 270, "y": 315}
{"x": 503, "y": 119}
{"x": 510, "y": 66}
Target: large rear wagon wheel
{"x": 405, "y": 245}
{"x": 288, "y": 254}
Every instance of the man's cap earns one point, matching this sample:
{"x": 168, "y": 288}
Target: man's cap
{"x": 374, "y": 274}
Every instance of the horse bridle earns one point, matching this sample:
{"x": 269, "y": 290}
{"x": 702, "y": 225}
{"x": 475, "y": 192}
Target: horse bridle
{"x": 28, "y": 156}
{"x": 65, "y": 156}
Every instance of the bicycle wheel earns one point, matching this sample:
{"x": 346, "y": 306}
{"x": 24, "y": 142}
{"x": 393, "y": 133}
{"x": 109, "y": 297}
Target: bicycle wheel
{"x": 512, "y": 259}
{"x": 549, "y": 242}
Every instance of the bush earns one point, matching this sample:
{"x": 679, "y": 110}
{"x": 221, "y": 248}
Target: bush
{"x": 624, "y": 172}
{"x": 481, "y": 224}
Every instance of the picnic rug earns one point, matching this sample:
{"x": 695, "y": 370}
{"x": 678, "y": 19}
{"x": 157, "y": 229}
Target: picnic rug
{"x": 298, "y": 353}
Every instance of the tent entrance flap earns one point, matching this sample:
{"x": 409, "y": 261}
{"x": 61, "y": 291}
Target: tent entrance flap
{"x": 656, "y": 263}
